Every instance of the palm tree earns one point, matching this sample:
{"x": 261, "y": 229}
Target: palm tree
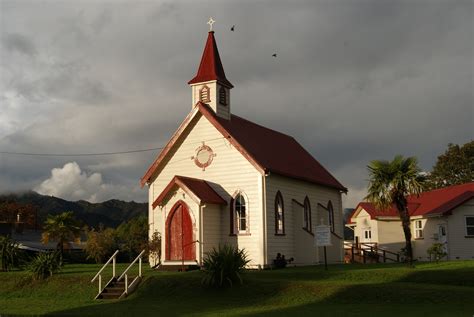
{"x": 62, "y": 228}
{"x": 390, "y": 183}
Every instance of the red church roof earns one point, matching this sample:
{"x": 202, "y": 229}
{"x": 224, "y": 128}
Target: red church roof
{"x": 211, "y": 65}
{"x": 436, "y": 202}
{"x": 199, "y": 187}
{"x": 268, "y": 150}
{"x": 273, "y": 151}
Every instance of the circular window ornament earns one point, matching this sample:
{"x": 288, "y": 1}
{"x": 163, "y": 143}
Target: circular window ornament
{"x": 204, "y": 156}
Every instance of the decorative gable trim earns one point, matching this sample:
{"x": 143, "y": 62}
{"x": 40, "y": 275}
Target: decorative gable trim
{"x": 208, "y": 114}
{"x": 199, "y": 190}
{"x": 151, "y": 170}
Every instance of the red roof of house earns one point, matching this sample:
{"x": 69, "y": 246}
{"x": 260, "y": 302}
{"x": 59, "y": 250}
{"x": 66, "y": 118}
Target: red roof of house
{"x": 268, "y": 150}
{"x": 439, "y": 201}
{"x": 199, "y": 187}
{"x": 211, "y": 65}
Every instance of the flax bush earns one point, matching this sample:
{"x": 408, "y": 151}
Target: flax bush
{"x": 222, "y": 266}
{"x": 45, "y": 265}
{"x": 9, "y": 254}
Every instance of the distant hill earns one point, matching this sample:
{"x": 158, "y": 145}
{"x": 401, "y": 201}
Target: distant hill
{"x": 110, "y": 213}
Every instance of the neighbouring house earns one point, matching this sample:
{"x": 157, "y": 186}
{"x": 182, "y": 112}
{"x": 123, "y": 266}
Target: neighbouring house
{"x": 225, "y": 179}
{"x": 439, "y": 216}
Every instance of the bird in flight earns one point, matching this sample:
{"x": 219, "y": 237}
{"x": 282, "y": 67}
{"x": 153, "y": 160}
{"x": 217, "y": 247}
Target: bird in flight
{"x": 232, "y": 28}
{"x": 274, "y": 55}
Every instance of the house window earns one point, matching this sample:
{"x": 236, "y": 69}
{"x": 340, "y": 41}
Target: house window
{"x": 307, "y": 215}
{"x": 368, "y": 234}
{"x": 331, "y": 216}
{"x": 470, "y": 225}
{"x": 418, "y": 229}
{"x": 222, "y": 96}
{"x": 279, "y": 215}
{"x": 239, "y": 215}
{"x": 204, "y": 94}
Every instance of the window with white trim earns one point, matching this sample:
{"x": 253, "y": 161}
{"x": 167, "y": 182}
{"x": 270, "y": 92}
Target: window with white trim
{"x": 279, "y": 215}
{"x": 240, "y": 211}
{"x": 330, "y": 209}
{"x": 307, "y": 215}
{"x": 470, "y": 225}
{"x": 418, "y": 229}
{"x": 368, "y": 234}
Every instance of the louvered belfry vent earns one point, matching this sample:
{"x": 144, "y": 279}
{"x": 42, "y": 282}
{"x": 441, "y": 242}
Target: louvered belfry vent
{"x": 204, "y": 94}
{"x": 222, "y": 96}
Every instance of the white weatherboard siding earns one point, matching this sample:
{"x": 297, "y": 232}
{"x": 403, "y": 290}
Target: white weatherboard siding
{"x": 460, "y": 247}
{"x": 298, "y": 190}
{"x": 430, "y": 227}
{"x": 305, "y": 251}
{"x": 363, "y": 223}
{"x": 229, "y": 173}
{"x": 388, "y": 233}
{"x": 211, "y": 237}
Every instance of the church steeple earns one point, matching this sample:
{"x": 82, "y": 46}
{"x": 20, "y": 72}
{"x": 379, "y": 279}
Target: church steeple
{"x": 210, "y": 84}
{"x": 211, "y": 66}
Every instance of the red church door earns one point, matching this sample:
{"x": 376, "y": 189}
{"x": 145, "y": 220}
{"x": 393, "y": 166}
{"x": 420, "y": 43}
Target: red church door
{"x": 179, "y": 234}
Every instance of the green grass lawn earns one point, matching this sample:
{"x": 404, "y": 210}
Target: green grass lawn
{"x": 445, "y": 289}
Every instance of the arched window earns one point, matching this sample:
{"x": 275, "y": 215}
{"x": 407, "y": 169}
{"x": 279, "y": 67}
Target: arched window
{"x": 239, "y": 215}
{"x": 307, "y": 215}
{"x": 222, "y": 96}
{"x": 331, "y": 216}
{"x": 204, "y": 94}
{"x": 279, "y": 215}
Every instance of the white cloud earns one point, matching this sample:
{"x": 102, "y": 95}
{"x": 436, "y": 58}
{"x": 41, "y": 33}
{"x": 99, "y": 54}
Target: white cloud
{"x": 71, "y": 183}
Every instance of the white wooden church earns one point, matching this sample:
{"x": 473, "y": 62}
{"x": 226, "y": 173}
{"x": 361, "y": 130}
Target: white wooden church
{"x": 225, "y": 179}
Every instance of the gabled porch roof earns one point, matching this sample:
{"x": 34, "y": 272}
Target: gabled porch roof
{"x": 195, "y": 187}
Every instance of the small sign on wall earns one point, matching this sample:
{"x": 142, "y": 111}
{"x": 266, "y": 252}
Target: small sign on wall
{"x": 322, "y": 236}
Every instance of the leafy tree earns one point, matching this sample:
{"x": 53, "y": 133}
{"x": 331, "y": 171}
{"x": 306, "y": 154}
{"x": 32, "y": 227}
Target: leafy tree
{"x": 454, "y": 167}
{"x": 100, "y": 244}
{"x": 132, "y": 236}
{"x": 389, "y": 184}
{"x": 62, "y": 228}
{"x": 9, "y": 253}
{"x": 13, "y": 212}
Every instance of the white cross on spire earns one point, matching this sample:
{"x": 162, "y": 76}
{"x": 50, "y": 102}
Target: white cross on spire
{"x": 211, "y": 22}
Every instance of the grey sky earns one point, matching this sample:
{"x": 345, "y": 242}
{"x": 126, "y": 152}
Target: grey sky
{"x": 353, "y": 81}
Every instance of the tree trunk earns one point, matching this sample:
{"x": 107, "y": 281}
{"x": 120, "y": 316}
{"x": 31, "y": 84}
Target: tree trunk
{"x": 405, "y": 217}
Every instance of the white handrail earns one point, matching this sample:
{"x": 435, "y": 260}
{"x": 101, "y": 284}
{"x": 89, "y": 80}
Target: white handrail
{"x": 112, "y": 258}
{"x": 138, "y": 258}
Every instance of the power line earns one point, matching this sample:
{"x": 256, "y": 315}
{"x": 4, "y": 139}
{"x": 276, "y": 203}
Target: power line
{"x": 80, "y": 154}
{"x": 94, "y": 154}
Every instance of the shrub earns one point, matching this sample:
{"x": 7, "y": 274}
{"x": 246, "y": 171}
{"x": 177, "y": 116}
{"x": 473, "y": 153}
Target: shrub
{"x": 9, "y": 253}
{"x": 154, "y": 248}
{"x": 45, "y": 265}
{"x": 436, "y": 251}
{"x": 222, "y": 266}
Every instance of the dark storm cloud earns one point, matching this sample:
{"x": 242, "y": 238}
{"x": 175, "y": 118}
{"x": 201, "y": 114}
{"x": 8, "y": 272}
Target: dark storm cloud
{"x": 353, "y": 80}
{"x": 18, "y": 43}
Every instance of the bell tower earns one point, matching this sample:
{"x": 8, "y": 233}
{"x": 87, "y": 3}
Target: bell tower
{"x": 210, "y": 85}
